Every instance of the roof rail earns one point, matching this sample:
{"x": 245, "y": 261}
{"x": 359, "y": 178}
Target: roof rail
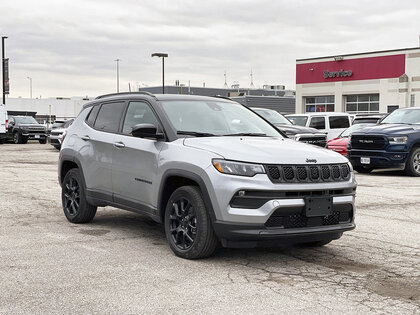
{"x": 125, "y": 93}
{"x": 224, "y": 97}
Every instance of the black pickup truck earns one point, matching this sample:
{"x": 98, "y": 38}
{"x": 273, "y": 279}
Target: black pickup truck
{"x": 393, "y": 143}
{"x": 24, "y": 128}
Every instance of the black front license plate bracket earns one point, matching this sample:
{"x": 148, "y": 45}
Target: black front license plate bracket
{"x": 318, "y": 206}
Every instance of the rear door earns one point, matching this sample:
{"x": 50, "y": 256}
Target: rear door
{"x": 135, "y": 160}
{"x": 337, "y": 124}
{"x": 318, "y": 122}
{"x": 104, "y": 120}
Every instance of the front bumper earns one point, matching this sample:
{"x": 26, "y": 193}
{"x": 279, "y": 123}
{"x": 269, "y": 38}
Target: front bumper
{"x": 241, "y": 220}
{"x": 378, "y": 158}
{"x": 250, "y": 236}
{"x": 34, "y": 136}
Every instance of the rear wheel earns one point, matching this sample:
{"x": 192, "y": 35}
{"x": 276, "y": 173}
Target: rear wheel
{"x": 188, "y": 225}
{"x": 2, "y": 140}
{"x": 412, "y": 166}
{"x": 363, "y": 169}
{"x": 43, "y": 141}
{"x": 75, "y": 206}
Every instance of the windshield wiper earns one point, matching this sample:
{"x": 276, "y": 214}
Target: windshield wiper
{"x": 251, "y": 134}
{"x": 195, "y": 134}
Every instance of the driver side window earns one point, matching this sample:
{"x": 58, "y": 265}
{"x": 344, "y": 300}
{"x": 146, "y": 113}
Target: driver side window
{"x": 138, "y": 113}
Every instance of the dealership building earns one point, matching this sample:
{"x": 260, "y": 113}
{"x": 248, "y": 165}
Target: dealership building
{"x": 371, "y": 82}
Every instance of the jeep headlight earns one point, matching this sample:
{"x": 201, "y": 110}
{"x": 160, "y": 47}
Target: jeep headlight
{"x": 238, "y": 168}
{"x": 398, "y": 140}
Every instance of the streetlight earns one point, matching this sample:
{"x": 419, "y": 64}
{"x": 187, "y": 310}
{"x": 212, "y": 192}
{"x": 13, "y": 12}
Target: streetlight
{"x": 3, "y": 69}
{"x": 118, "y": 74}
{"x": 163, "y": 56}
{"x": 30, "y": 85}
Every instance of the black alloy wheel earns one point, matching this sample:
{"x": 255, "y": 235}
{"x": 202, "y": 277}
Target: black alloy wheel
{"x": 75, "y": 206}
{"x": 183, "y": 223}
{"x": 188, "y": 225}
{"x": 71, "y": 202}
{"x": 16, "y": 138}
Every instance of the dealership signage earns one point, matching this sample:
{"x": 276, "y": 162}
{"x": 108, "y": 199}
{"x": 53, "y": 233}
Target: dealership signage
{"x": 6, "y": 76}
{"x": 337, "y": 74}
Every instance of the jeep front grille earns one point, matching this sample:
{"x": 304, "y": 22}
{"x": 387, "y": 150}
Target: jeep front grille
{"x": 308, "y": 173}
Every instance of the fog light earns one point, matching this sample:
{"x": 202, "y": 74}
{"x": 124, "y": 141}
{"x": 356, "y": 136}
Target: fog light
{"x": 241, "y": 193}
{"x": 397, "y": 156}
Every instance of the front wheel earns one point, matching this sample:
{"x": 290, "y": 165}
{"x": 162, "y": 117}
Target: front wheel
{"x": 75, "y": 206}
{"x": 188, "y": 225}
{"x": 412, "y": 166}
{"x": 43, "y": 141}
{"x": 19, "y": 139}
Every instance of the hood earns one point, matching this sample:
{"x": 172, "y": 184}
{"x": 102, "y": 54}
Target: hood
{"x": 265, "y": 150}
{"x": 338, "y": 142}
{"x": 390, "y": 129}
{"x": 295, "y": 129}
{"x": 32, "y": 126}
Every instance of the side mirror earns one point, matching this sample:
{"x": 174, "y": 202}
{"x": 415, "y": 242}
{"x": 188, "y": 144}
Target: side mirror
{"x": 146, "y": 131}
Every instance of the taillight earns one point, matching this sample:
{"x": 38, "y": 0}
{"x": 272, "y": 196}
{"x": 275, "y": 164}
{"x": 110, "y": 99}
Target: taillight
{"x": 63, "y": 136}
{"x": 7, "y": 124}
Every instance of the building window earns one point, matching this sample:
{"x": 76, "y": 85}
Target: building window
{"x": 366, "y": 103}
{"x": 319, "y": 104}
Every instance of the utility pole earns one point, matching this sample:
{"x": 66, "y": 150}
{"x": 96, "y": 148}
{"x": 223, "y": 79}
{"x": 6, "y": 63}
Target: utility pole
{"x": 118, "y": 74}
{"x": 4, "y": 70}
{"x": 163, "y": 56}
{"x": 30, "y": 86}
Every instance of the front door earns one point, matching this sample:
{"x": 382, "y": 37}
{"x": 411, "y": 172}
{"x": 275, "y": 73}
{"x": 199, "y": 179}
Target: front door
{"x": 135, "y": 160}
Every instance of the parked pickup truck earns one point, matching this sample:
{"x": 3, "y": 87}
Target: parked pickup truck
{"x": 24, "y": 128}
{"x": 394, "y": 143}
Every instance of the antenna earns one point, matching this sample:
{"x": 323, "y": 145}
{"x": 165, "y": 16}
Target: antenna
{"x": 252, "y": 81}
{"x": 225, "y": 85}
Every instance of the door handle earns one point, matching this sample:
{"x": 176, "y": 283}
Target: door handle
{"x": 86, "y": 138}
{"x": 119, "y": 145}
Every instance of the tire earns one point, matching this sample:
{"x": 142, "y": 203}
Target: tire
{"x": 188, "y": 225}
{"x": 17, "y": 138}
{"x": 75, "y": 207}
{"x": 43, "y": 141}
{"x": 2, "y": 141}
{"x": 412, "y": 166}
{"x": 363, "y": 169}
{"x": 316, "y": 244}
{"x": 57, "y": 147}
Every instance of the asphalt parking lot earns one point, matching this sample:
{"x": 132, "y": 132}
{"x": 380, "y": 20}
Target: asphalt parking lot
{"x": 120, "y": 263}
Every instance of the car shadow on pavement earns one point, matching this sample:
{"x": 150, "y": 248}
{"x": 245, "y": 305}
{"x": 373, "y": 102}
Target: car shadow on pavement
{"x": 131, "y": 225}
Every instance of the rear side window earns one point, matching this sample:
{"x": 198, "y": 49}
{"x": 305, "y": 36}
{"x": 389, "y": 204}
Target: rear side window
{"x": 109, "y": 116}
{"x": 339, "y": 122}
{"x": 317, "y": 122}
{"x": 92, "y": 115}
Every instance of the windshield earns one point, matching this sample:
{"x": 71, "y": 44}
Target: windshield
{"x": 298, "y": 120}
{"x": 26, "y": 120}
{"x": 354, "y": 128}
{"x": 272, "y": 116}
{"x": 403, "y": 116}
{"x": 208, "y": 118}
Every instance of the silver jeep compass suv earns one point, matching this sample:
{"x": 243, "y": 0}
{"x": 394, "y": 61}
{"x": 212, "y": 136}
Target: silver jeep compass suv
{"x": 211, "y": 170}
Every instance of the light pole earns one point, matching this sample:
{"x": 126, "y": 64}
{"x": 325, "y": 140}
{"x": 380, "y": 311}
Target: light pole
{"x": 3, "y": 61}
{"x": 30, "y": 85}
{"x": 163, "y": 56}
{"x": 118, "y": 74}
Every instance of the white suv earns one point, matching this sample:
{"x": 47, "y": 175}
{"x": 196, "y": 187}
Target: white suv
{"x": 210, "y": 169}
{"x": 3, "y": 123}
{"x": 331, "y": 123}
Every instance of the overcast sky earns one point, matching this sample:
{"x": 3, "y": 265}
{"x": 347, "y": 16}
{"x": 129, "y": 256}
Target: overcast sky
{"x": 69, "y": 47}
